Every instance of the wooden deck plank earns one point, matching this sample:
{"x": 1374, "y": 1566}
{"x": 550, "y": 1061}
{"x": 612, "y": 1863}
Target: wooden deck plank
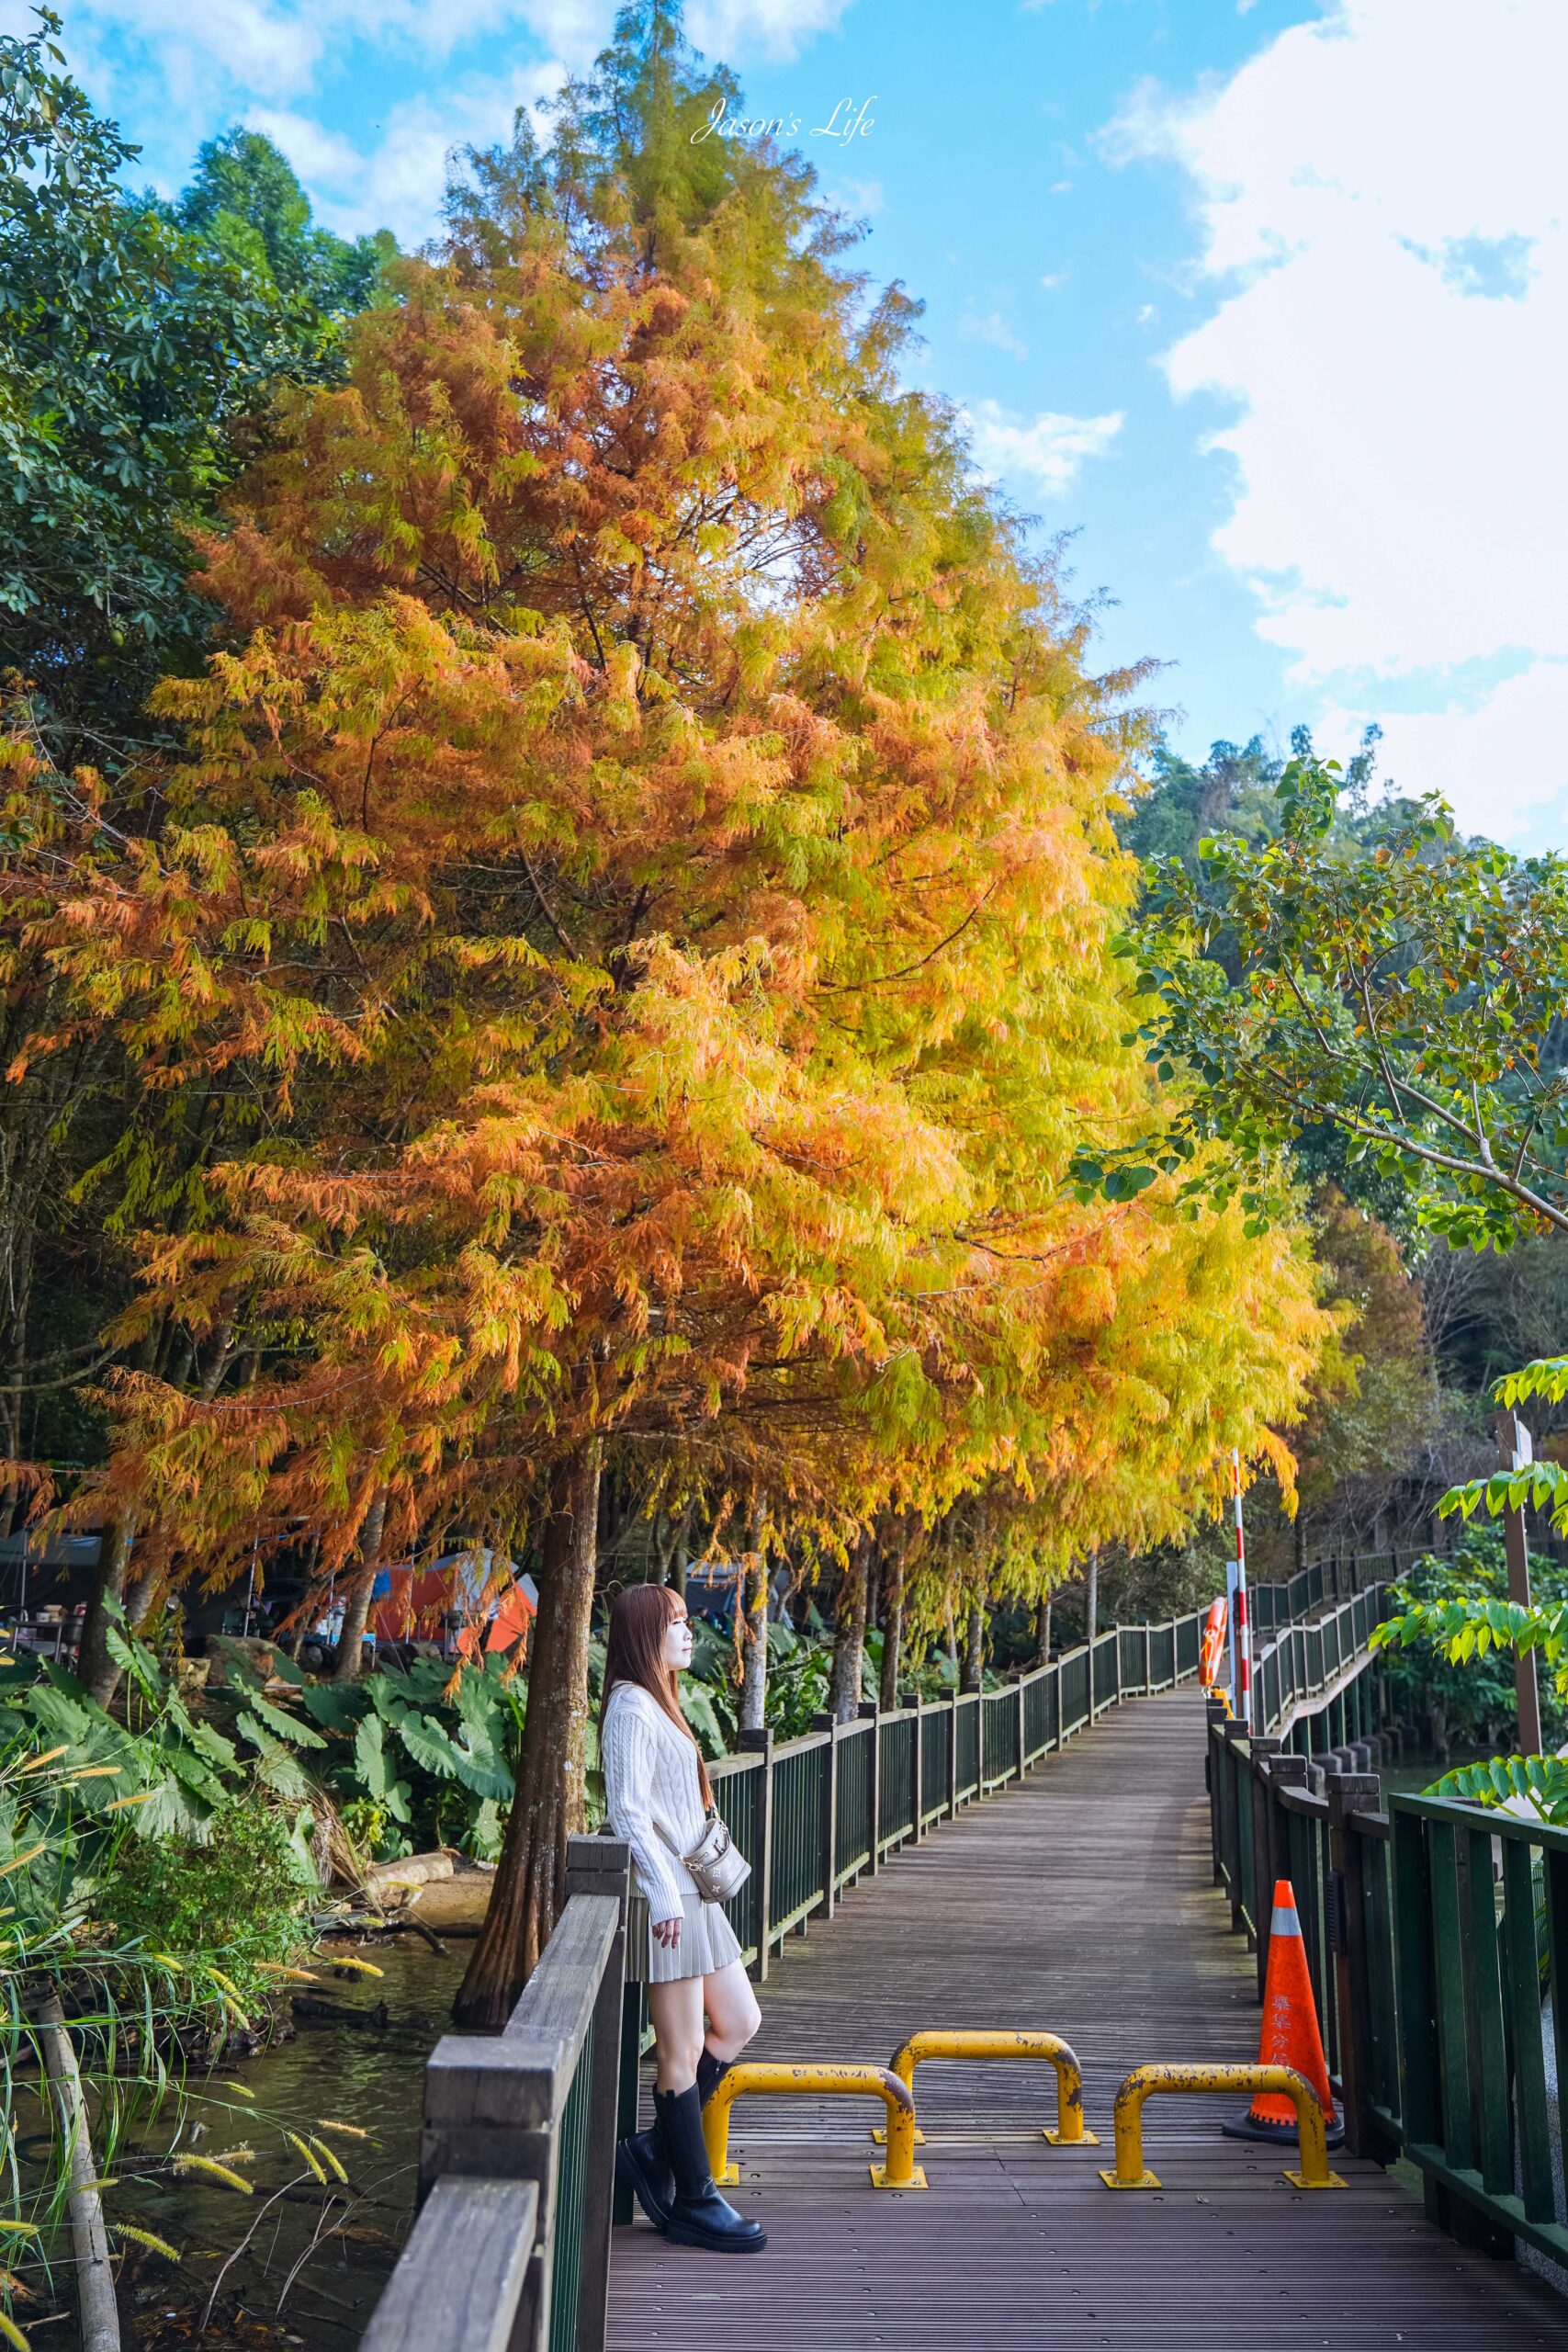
{"x": 1080, "y": 1902}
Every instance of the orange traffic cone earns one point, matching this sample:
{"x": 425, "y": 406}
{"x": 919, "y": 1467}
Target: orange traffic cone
{"x": 1290, "y": 2036}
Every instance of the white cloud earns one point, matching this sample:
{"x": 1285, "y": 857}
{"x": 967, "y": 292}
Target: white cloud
{"x": 862, "y": 199}
{"x": 991, "y": 326}
{"x": 719, "y": 28}
{"x": 397, "y": 184}
{"x": 1046, "y": 451}
{"x": 1501, "y": 764}
{"x": 1383, "y": 196}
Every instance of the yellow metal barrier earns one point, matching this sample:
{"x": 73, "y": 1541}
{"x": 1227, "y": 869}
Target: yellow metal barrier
{"x": 1069, "y": 2132}
{"x": 1143, "y": 2081}
{"x": 768, "y": 2081}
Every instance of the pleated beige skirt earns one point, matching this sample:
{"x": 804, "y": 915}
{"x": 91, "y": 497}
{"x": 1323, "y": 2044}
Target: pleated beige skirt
{"x": 707, "y": 1943}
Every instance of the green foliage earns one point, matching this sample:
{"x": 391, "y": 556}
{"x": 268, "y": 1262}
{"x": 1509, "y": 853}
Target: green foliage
{"x": 422, "y": 1756}
{"x": 238, "y": 1894}
{"x": 1232, "y": 792}
{"x": 1451, "y": 1639}
{"x": 1405, "y": 992}
{"x": 1540, "y": 1486}
{"x": 134, "y": 342}
{"x": 245, "y": 200}
{"x": 1499, "y": 1779}
{"x": 146, "y": 1890}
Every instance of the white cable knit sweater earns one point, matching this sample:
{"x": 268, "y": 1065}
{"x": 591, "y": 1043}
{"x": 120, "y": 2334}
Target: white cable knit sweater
{"x": 650, "y": 1783}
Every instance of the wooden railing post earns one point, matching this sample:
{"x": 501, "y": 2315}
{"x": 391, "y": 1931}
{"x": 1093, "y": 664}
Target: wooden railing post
{"x": 870, "y": 1712}
{"x": 916, "y": 1767}
{"x": 1021, "y": 1742}
{"x": 1261, "y": 1749}
{"x": 1351, "y": 1793}
{"x": 1214, "y": 1767}
{"x": 952, "y": 1696}
{"x": 761, "y": 1742}
{"x": 827, "y": 1811}
{"x": 1231, "y": 1732}
{"x": 601, "y": 1866}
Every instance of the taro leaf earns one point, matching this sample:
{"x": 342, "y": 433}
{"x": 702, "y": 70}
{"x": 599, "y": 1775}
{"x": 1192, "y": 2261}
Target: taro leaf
{"x": 300, "y": 1837}
{"x": 480, "y": 1770}
{"x": 211, "y": 1744}
{"x": 696, "y": 1705}
{"x": 370, "y": 1757}
{"x": 285, "y": 1727}
{"x": 335, "y": 1704}
{"x": 428, "y": 1745}
{"x": 133, "y": 1657}
{"x": 275, "y": 1768}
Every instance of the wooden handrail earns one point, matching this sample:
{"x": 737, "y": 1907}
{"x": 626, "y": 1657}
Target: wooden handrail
{"x": 511, "y": 2250}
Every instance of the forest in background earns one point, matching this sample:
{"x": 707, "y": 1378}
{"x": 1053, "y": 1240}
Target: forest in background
{"x": 567, "y": 879}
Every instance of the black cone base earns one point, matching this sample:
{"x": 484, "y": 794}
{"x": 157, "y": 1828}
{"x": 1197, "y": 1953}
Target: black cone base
{"x": 1282, "y": 2134}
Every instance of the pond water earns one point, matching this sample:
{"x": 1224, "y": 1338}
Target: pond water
{"x": 317, "y": 2257}
{"x": 1411, "y": 1775}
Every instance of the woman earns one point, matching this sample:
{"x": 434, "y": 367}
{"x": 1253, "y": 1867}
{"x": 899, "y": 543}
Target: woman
{"x": 658, "y": 1796}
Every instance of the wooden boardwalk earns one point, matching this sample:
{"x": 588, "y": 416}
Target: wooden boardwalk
{"x": 1081, "y": 1902}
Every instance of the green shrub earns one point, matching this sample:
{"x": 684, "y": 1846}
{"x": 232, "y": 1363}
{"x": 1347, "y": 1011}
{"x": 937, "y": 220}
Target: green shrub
{"x": 238, "y": 1896}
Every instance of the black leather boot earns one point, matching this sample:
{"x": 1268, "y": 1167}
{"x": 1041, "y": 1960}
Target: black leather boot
{"x": 711, "y": 2072}
{"x": 699, "y": 2216}
{"x": 642, "y": 2164}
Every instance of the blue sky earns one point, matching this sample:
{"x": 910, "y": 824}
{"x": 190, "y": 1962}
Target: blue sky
{"x": 1263, "y": 302}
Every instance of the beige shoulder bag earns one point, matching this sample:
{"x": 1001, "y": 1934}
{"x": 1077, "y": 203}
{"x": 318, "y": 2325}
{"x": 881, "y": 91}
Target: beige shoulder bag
{"x": 718, "y": 1868}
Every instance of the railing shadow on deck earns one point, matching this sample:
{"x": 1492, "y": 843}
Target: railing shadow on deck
{"x": 510, "y": 2251}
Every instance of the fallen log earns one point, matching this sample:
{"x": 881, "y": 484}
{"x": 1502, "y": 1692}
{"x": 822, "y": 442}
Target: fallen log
{"x": 415, "y": 1869}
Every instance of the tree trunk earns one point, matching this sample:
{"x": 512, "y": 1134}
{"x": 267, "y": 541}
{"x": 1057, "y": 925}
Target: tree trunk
{"x": 549, "y": 1807}
{"x": 1042, "y": 1632}
{"x": 96, "y": 2309}
{"x": 753, "y": 1600}
{"x": 974, "y": 1650}
{"x": 849, "y": 1633}
{"x": 95, "y": 1668}
{"x": 1091, "y": 1597}
{"x": 891, "y": 1626}
{"x": 357, "y": 1605}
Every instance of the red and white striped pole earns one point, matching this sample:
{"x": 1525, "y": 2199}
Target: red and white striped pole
{"x": 1241, "y": 1629}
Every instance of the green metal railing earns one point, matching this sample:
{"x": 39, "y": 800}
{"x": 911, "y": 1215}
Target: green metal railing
{"x": 815, "y": 1813}
{"x": 572, "y": 2204}
{"x": 1435, "y": 1937}
{"x": 1480, "y": 1905}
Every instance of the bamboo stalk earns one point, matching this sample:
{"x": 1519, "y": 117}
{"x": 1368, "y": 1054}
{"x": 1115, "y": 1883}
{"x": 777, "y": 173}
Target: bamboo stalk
{"x": 95, "y": 2303}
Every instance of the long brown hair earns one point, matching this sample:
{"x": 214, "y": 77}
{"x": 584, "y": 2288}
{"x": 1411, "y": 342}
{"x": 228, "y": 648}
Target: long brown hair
{"x": 640, "y": 1616}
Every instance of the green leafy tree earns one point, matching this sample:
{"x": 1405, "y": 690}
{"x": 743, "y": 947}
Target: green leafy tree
{"x": 137, "y": 344}
{"x": 1408, "y": 995}
{"x": 1464, "y": 1680}
{"x": 245, "y": 200}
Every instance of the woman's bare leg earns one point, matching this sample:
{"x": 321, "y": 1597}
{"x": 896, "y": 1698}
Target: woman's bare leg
{"x": 676, "y": 2013}
{"x": 732, "y": 2012}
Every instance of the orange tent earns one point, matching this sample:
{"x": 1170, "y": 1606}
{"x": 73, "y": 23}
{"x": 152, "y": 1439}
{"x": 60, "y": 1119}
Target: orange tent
{"x": 495, "y": 1602}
